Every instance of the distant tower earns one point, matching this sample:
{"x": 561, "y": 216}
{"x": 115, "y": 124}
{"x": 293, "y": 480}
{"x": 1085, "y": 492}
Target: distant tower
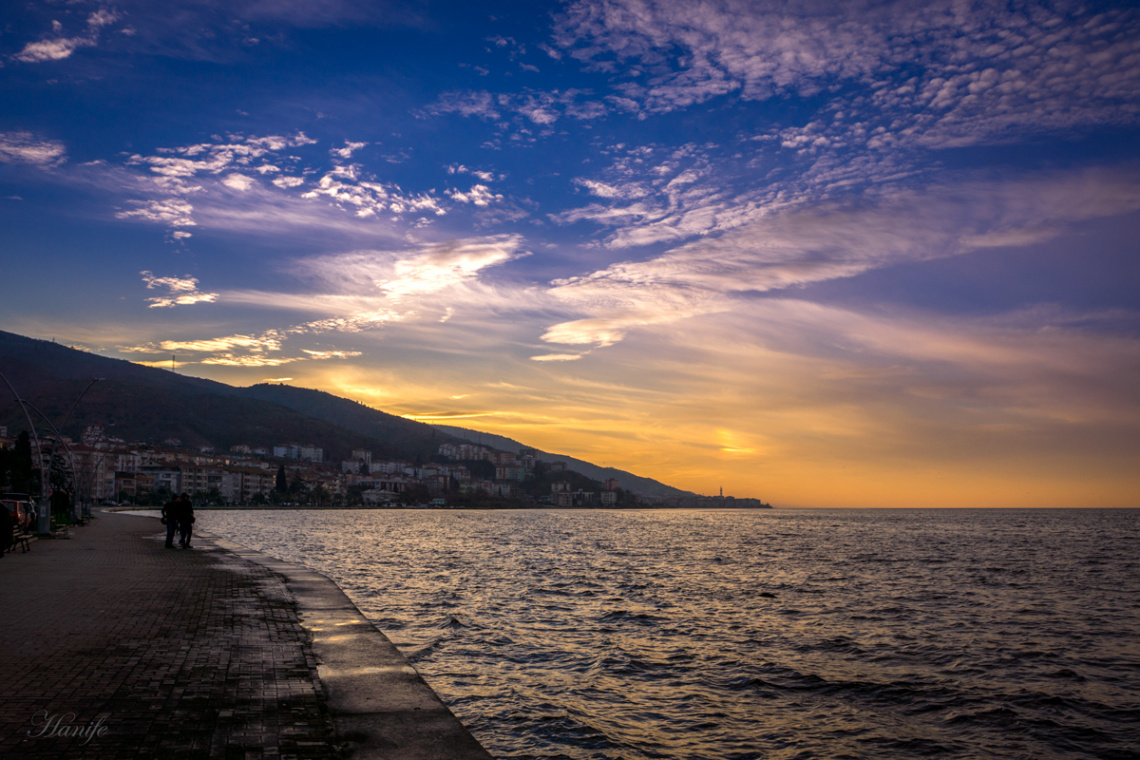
{"x": 172, "y": 363}
{"x": 722, "y": 494}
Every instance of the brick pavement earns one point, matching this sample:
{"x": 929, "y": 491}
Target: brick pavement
{"x": 180, "y": 654}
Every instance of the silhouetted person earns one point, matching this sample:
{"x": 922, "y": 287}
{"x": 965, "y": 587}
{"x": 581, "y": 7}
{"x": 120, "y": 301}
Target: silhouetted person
{"x": 5, "y": 530}
{"x": 170, "y": 517}
{"x": 185, "y": 520}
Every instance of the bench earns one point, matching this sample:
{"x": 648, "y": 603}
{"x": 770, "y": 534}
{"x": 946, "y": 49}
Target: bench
{"x": 19, "y": 538}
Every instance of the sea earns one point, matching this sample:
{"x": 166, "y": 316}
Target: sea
{"x": 742, "y": 634}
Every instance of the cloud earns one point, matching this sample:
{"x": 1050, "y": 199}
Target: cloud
{"x": 944, "y": 74}
{"x": 59, "y": 48}
{"x": 349, "y": 188}
{"x": 101, "y": 18}
{"x": 267, "y": 342}
{"x": 220, "y": 30}
{"x": 238, "y": 182}
{"x": 182, "y": 291}
{"x": 26, "y": 148}
{"x": 556, "y": 358}
{"x": 349, "y": 148}
{"x": 478, "y": 195}
{"x": 320, "y": 355}
{"x": 802, "y": 246}
{"x": 238, "y": 351}
{"x": 481, "y": 104}
{"x": 247, "y": 360}
{"x": 426, "y": 269}
{"x": 215, "y": 158}
{"x": 623, "y": 191}
{"x": 531, "y": 107}
{"x": 660, "y": 195}
{"x": 364, "y": 290}
{"x": 200, "y": 184}
{"x": 461, "y": 169}
{"x": 174, "y": 212}
{"x": 52, "y": 50}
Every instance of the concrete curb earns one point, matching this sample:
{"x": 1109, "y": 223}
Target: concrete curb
{"x": 381, "y": 707}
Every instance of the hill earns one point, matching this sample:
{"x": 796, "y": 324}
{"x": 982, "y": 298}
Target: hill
{"x": 149, "y": 405}
{"x": 629, "y": 481}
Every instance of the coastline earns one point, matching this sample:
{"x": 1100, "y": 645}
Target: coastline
{"x": 118, "y": 648}
{"x": 380, "y": 705}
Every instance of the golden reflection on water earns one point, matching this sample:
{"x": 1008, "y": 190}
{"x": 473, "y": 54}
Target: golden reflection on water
{"x": 868, "y": 634}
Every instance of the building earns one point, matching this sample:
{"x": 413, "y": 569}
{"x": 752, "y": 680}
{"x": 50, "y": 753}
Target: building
{"x": 513, "y": 473}
{"x": 464, "y": 451}
{"x": 313, "y": 454}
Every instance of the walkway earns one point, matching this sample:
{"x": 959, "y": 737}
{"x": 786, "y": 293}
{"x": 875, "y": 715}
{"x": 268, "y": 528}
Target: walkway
{"x": 112, "y": 646}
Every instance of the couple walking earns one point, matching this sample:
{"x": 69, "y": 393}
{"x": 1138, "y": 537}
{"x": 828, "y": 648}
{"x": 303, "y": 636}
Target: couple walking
{"x": 178, "y": 513}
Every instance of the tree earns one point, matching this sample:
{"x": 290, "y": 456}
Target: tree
{"x": 416, "y": 494}
{"x": 355, "y": 495}
{"x": 23, "y": 475}
{"x": 282, "y": 483}
{"x": 298, "y": 490}
{"x": 59, "y": 476}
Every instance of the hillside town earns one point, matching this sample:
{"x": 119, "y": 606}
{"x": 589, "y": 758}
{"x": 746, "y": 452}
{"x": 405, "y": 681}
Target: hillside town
{"x": 102, "y": 469}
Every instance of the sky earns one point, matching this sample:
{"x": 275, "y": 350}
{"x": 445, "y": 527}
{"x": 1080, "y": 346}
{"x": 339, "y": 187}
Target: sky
{"x": 825, "y": 254}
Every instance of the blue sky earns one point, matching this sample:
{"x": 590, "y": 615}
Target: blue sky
{"x": 825, "y": 254}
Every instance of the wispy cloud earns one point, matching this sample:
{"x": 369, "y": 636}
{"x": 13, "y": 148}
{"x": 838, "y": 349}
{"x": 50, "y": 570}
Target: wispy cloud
{"x": 214, "y": 158}
{"x": 349, "y": 148}
{"x": 350, "y": 189}
{"x": 954, "y": 74}
{"x": 556, "y": 357}
{"x": 478, "y": 195}
{"x": 485, "y": 176}
{"x": 181, "y": 291}
{"x": 26, "y": 148}
{"x": 535, "y": 108}
{"x": 427, "y": 269}
{"x": 351, "y": 293}
{"x": 172, "y": 211}
{"x": 778, "y": 251}
{"x": 58, "y": 48}
{"x": 212, "y": 30}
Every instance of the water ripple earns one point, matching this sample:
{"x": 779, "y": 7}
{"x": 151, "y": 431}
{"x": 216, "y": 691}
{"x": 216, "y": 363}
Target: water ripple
{"x": 775, "y": 634}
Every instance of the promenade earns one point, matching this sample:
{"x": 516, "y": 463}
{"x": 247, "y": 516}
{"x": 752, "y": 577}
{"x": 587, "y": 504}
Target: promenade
{"x": 112, "y": 646}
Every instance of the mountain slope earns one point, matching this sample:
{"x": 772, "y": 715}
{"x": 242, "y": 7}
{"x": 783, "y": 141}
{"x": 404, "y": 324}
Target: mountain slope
{"x": 362, "y": 419}
{"x": 144, "y": 404}
{"x": 416, "y": 439}
{"x": 629, "y": 481}
{"x": 149, "y": 405}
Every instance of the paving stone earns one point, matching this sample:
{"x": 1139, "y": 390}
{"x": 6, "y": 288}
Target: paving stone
{"x": 131, "y": 650}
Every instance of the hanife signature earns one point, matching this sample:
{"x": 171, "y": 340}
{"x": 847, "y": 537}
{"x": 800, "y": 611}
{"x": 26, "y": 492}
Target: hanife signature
{"x": 63, "y": 724}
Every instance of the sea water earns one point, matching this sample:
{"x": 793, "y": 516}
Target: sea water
{"x": 750, "y": 634}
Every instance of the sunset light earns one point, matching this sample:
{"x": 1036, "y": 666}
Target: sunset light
{"x": 882, "y": 257}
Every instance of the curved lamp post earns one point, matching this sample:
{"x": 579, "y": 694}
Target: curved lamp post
{"x": 43, "y": 525}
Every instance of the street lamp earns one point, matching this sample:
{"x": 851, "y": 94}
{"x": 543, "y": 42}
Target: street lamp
{"x": 43, "y": 525}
